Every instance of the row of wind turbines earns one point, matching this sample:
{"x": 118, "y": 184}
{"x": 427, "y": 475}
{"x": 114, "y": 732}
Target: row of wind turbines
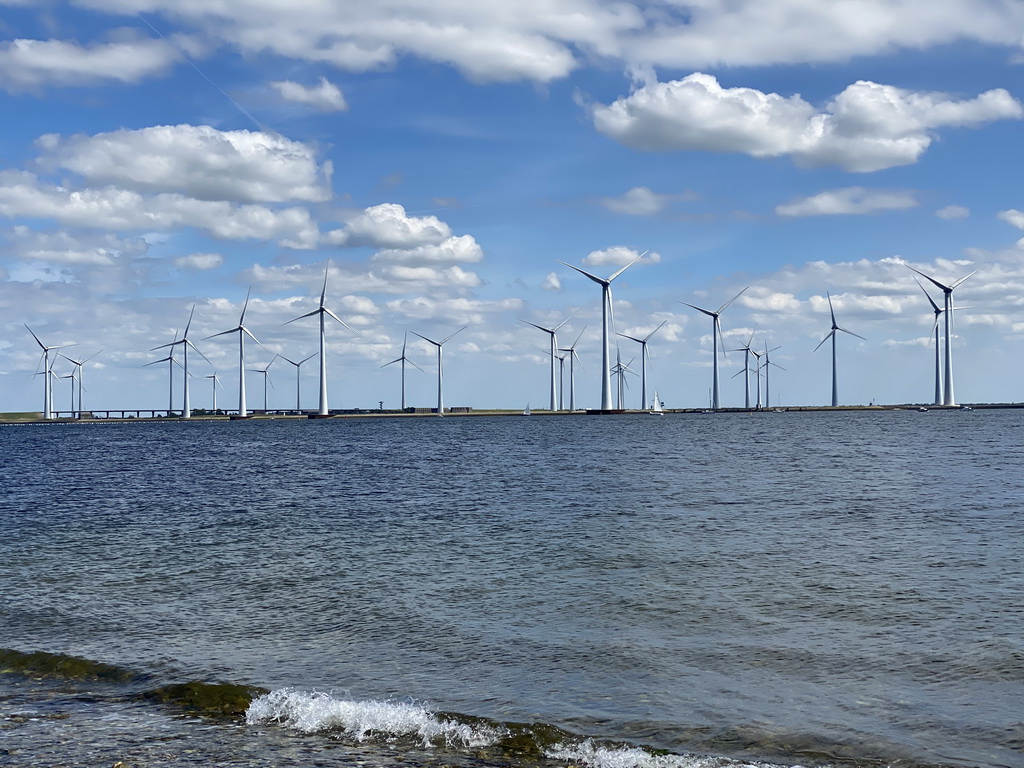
{"x": 944, "y": 394}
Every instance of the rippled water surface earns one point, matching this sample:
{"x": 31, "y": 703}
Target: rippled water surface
{"x": 787, "y": 587}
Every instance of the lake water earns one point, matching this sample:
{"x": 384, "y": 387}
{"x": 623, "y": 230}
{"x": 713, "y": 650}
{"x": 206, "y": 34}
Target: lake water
{"x": 840, "y": 588}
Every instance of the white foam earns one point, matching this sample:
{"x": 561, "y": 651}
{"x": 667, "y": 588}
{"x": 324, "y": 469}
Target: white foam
{"x": 315, "y": 711}
{"x": 590, "y": 754}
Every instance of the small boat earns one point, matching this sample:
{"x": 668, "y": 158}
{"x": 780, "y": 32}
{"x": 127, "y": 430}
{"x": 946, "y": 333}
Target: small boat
{"x": 922, "y": 409}
{"x": 966, "y": 408}
{"x": 526, "y": 411}
{"x": 656, "y": 409}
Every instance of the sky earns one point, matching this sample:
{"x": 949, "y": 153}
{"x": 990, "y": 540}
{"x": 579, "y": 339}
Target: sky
{"x": 438, "y": 160}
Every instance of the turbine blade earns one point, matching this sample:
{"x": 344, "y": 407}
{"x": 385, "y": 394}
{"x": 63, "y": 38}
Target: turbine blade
{"x": 595, "y": 278}
{"x": 928, "y": 295}
{"x": 327, "y": 311}
{"x": 944, "y": 288}
{"x": 707, "y": 312}
{"x": 188, "y": 343}
{"x": 573, "y": 347}
{"x": 851, "y": 333}
{"x": 830, "y": 335}
{"x": 224, "y": 333}
{"x": 41, "y": 345}
{"x": 189, "y": 323}
{"x": 649, "y": 335}
{"x": 830, "y": 309}
{"x": 241, "y": 320}
{"x": 721, "y": 309}
{"x": 954, "y": 285}
{"x": 570, "y": 317}
{"x": 458, "y": 331}
{"x": 634, "y": 261}
{"x": 435, "y": 343}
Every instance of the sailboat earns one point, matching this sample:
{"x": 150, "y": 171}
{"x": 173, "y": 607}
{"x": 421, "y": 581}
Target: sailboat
{"x": 656, "y": 409}
{"x": 526, "y": 411}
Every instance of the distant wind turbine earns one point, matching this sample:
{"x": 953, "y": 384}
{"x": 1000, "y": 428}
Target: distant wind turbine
{"x": 832, "y": 335}
{"x": 47, "y": 385}
{"x": 644, "y": 355}
{"x": 266, "y": 380}
{"x": 403, "y": 359}
{"x": 621, "y": 370}
{"x": 185, "y": 342}
{"x": 298, "y": 402}
{"x": 554, "y": 346}
{"x": 72, "y": 377}
{"x": 572, "y": 378}
{"x": 947, "y": 291}
{"x": 323, "y": 312}
{"x": 607, "y": 321}
{"x": 716, "y": 330}
{"x": 242, "y": 332}
{"x": 216, "y": 383}
{"x": 938, "y": 346}
{"x": 171, "y": 362}
{"x": 747, "y": 352}
{"x": 79, "y": 367}
{"x": 440, "y": 380}
{"x": 767, "y": 370}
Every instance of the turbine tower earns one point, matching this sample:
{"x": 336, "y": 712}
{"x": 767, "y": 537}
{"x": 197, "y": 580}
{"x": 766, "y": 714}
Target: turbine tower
{"x": 216, "y": 381}
{"x": 832, "y": 334}
{"x": 938, "y": 347}
{"x": 947, "y": 290}
{"x": 79, "y": 367}
{"x": 716, "y": 330}
{"x": 242, "y": 332}
{"x": 747, "y": 352}
{"x": 644, "y": 355}
{"x": 607, "y": 320}
{"x": 171, "y": 362}
{"x": 573, "y": 354}
{"x": 47, "y": 385}
{"x": 266, "y": 379}
{"x": 186, "y": 342}
{"x": 298, "y": 402}
{"x": 554, "y": 346}
{"x": 767, "y": 369}
{"x": 403, "y": 360}
{"x": 323, "y": 311}
{"x": 440, "y": 380}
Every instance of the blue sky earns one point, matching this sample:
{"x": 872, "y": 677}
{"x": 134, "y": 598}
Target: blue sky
{"x": 446, "y": 156}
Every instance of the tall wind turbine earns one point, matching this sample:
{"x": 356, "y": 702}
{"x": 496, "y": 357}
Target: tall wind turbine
{"x": 621, "y": 370}
{"x": 832, "y": 335}
{"x": 938, "y": 347}
{"x": 644, "y": 355}
{"x": 298, "y": 402}
{"x": 440, "y": 380}
{"x": 47, "y": 385}
{"x": 747, "y": 352}
{"x": 716, "y": 330}
{"x": 185, "y": 342}
{"x": 947, "y": 290}
{"x": 79, "y": 367}
{"x": 607, "y": 321}
{"x": 573, "y": 354}
{"x": 554, "y": 346}
{"x": 403, "y": 359}
{"x": 266, "y": 379}
{"x": 323, "y": 312}
{"x": 767, "y": 370}
{"x": 242, "y": 332}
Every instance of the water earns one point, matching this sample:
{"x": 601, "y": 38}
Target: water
{"x": 688, "y": 590}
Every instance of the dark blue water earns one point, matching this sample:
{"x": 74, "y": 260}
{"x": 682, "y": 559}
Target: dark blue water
{"x": 782, "y": 587}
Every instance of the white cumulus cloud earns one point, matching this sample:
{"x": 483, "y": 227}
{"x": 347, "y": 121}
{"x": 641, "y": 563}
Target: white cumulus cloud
{"x": 325, "y": 96}
{"x": 388, "y": 226}
{"x": 848, "y": 201}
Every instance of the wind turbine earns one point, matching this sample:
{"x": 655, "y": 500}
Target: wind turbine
{"x": 439, "y": 344}
{"x": 323, "y": 311}
{"x": 171, "y": 362}
{"x": 403, "y": 360}
{"x": 716, "y": 329}
{"x": 47, "y": 385}
{"x": 186, "y": 342}
{"x": 938, "y": 349}
{"x": 607, "y": 320}
{"x": 242, "y": 332}
{"x": 621, "y": 370}
{"x": 554, "y": 346}
{"x": 644, "y": 355}
{"x": 79, "y": 367}
{"x": 72, "y": 377}
{"x": 947, "y": 290}
{"x": 266, "y": 380}
{"x": 745, "y": 349}
{"x": 298, "y": 406}
{"x": 832, "y": 335}
{"x": 216, "y": 381}
{"x": 767, "y": 369}
{"x": 573, "y": 354}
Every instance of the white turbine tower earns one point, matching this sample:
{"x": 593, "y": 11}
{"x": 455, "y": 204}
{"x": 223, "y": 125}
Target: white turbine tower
{"x": 185, "y": 342}
{"x": 644, "y": 356}
{"x": 266, "y": 379}
{"x": 79, "y": 367}
{"x": 767, "y": 370}
{"x": 938, "y": 346}
{"x": 440, "y": 380}
{"x": 403, "y": 360}
{"x": 554, "y": 346}
{"x": 747, "y": 352}
{"x": 947, "y": 290}
{"x": 832, "y": 335}
{"x": 242, "y": 332}
{"x": 47, "y": 385}
{"x": 607, "y": 320}
{"x": 716, "y": 330}
{"x": 171, "y": 362}
{"x": 216, "y": 382}
{"x": 573, "y": 354}
{"x": 323, "y": 410}
{"x": 298, "y": 401}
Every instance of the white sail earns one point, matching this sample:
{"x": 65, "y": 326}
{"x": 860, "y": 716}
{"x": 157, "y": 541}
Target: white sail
{"x": 656, "y": 408}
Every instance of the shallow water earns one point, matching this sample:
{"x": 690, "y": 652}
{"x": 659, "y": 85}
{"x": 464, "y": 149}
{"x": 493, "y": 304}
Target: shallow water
{"x": 783, "y": 587}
